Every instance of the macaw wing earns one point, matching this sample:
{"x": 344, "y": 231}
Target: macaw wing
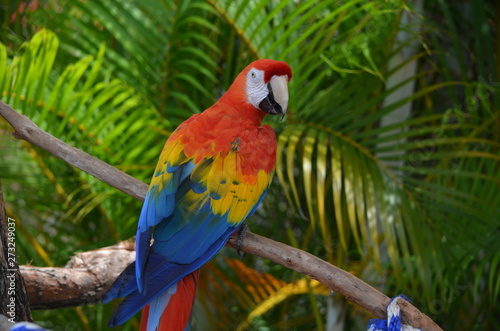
{"x": 193, "y": 201}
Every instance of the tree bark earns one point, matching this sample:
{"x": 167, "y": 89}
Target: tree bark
{"x": 94, "y": 280}
{"x": 83, "y": 280}
{"x": 14, "y": 302}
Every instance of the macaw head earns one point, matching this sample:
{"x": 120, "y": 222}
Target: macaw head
{"x": 263, "y": 86}
{"x": 267, "y": 85}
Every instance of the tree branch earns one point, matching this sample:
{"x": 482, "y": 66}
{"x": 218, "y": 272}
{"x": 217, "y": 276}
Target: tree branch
{"x": 94, "y": 278}
{"x": 27, "y": 130}
{"x": 82, "y": 281}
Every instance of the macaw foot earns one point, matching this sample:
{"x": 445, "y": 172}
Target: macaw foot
{"x": 242, "y": 232}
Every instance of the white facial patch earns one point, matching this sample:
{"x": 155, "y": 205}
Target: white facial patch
{"x": 256, "y": 88}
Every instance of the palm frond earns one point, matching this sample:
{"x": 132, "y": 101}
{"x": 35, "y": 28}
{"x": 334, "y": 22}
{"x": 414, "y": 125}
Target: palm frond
{"x": 161, "y": 58}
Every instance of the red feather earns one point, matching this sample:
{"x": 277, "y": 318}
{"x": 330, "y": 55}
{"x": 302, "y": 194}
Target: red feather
{"x": 177, "y": 314}
{"x": 144, "y": 318}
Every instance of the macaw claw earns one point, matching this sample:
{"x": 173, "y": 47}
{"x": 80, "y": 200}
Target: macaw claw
{"x": 242, "y": 232}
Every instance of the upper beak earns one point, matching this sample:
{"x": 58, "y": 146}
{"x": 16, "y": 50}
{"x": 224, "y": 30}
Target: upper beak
{"x": 276, "y": 101}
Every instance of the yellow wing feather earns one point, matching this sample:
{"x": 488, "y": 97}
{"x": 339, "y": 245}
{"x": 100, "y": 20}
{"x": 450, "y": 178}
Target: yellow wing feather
{"x": 230, "y": 192}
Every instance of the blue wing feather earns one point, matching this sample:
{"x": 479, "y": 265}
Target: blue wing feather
{"x": 157, "y": 208}
{"x": 142, "y": 245}
{"x": 186, "y": 244}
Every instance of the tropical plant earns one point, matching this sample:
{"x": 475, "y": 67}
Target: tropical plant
{"x": 388, "y": 156}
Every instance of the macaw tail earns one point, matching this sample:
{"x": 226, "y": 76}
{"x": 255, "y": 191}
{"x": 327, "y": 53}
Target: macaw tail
{"x": 171, "y": 310}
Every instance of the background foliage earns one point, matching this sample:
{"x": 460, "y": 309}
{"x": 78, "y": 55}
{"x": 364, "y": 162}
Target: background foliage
{"x": 388, "y": 160}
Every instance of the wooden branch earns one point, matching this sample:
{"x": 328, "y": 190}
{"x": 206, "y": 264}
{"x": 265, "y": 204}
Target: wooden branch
{"x": 338, "y": 280}
{"x": 27, "y": 130}
{"x": 82, "y": 281}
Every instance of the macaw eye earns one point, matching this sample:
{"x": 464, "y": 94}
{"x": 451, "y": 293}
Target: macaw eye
{"x": 252, "y": 74}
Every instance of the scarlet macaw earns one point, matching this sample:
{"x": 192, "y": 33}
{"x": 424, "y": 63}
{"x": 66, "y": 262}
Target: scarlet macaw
{"x": 212, "y": 174}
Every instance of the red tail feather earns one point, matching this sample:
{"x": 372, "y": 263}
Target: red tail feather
{"x": 177, "y": 314}
{"x": 144, "y": 318}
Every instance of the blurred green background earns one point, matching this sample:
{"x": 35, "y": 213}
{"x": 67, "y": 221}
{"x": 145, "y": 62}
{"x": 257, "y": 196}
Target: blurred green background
{"x": 388, "y": 160}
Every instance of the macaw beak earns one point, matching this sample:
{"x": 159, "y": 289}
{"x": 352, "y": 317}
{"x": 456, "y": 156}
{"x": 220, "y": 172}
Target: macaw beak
{"x": 276, "y": 101}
